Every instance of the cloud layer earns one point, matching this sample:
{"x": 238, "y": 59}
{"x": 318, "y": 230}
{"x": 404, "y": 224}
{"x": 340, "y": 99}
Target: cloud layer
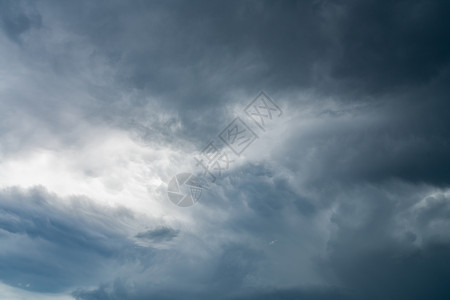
{"x": 345, "y": 196}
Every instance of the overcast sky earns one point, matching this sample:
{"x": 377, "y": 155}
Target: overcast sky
{"x": 343, "y": 195}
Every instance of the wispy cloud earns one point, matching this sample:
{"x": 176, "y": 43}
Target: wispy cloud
{"x": 345, "y": 197}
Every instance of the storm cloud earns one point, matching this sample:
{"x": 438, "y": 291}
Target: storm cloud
{"x": 344, "y": 196}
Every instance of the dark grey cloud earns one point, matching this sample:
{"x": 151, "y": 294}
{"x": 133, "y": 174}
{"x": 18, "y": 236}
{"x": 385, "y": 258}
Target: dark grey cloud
{"x": 191, "y": 55}
{"x": 407, "y": 140}
{"x": 389, "y": 45}
{"x": 291, "y": 294}
{"x": 399, "y": 259}
{"x": 15, "y": 20}
{"x": 120, "y": 292}
{"x": 349, "y": 200}
{"x": 397, "y": 273}
{"x": 223, "y": 279}
{"x": 159, "y": 234}
{"x": 49, "y": 247}
{"x": 176, "y": 48}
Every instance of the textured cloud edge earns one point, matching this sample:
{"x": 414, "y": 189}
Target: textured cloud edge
{"x": 344, "y": 197}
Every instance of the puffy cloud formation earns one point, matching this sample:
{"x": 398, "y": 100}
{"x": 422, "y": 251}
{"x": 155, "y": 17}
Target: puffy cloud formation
{"x": 344, "y": 196}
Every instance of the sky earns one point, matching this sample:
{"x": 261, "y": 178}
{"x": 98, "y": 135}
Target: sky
{"x": 344, "y": 193}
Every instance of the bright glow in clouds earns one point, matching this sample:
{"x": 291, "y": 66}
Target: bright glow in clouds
{"x": 108, "y": 166}
{"x": 344, "y": 196}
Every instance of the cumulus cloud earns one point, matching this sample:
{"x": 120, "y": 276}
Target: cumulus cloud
{"x": 345, "y": 196}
